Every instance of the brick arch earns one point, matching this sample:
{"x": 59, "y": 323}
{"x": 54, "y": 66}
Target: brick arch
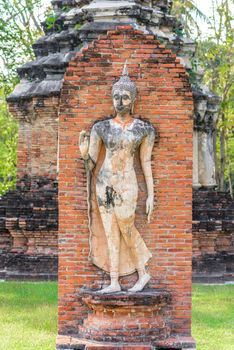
{"x": 165, "y": 98}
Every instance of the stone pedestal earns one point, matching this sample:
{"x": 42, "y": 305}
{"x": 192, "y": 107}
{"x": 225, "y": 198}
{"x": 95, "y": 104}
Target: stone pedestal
{"x": 127, "y": 321}
{"x": 127, "y": 317}
{"x": 173, "y": 343}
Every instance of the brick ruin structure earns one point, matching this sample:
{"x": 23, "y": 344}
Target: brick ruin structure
{"x": 87, "y": 319}
{"x": 29, "y": 215}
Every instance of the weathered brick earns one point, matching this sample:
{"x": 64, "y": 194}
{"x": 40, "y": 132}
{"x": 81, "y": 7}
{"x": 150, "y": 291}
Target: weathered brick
{"x": 90, "y": 83}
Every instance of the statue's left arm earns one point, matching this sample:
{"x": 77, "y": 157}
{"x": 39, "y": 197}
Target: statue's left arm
{"x": 146, "y": 149}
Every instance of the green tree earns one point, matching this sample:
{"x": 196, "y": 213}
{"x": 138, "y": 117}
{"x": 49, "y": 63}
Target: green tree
{"x": 19, "y": 29}
{"x": 216, "y": 56}
{"x": 8, "y": 143}
{"x": 188, "y": 13}
{"x": 215, "y": 52}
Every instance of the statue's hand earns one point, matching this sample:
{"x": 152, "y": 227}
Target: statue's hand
{"x": 84, "y": 144}
{"x": 149, "y": 207}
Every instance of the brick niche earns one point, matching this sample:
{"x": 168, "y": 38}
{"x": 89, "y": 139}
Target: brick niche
{"x": 165, "y": 99}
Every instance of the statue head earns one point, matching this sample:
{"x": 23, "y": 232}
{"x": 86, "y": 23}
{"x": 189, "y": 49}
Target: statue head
{"x": 124, "y": 93}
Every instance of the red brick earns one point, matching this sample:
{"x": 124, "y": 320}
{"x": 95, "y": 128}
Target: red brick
{"x": 165, "y": 99}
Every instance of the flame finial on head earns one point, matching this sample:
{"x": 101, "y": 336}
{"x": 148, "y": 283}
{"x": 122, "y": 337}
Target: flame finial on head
{"x": 125, "y": 69}
{"x": 125, "y": 83}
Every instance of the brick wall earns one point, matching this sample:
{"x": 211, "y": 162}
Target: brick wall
{"x": 29, "y": 215}
{"x": 38, "y": 137}
{"x": 37, "y": 267}
{"x": 165, "y": 99}
{"x": 213, "y": 236}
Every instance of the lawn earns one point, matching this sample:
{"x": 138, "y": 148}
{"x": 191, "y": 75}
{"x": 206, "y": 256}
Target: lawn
{"x": 28, "y": 316}
{"x": 213, "y": 317}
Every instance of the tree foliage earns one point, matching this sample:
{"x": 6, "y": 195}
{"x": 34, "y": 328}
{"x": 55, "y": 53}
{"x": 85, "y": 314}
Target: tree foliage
{"x": 8, "y": 143}
{"x": 19, "y": 28}
{"x": 188, "y": 13}
{"x": 216, "y": 54}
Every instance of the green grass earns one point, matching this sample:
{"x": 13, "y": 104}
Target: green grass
{"x": 213, "y": 317}
{"x": 28, "y": 316}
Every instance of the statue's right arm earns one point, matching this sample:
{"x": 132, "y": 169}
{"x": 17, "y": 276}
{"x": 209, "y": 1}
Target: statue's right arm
{"x": 90, "y": 147}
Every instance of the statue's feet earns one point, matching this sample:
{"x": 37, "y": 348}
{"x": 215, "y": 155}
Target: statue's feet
{"x": 141, "y": 283}
{"x": 112, "y": 288}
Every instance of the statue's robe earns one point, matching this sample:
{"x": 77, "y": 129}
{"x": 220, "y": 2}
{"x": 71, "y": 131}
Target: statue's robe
{"x": 99, "y": 253}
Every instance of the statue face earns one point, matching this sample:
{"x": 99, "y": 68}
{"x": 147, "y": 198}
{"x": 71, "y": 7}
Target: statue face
{"x": 122, "y": 101}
